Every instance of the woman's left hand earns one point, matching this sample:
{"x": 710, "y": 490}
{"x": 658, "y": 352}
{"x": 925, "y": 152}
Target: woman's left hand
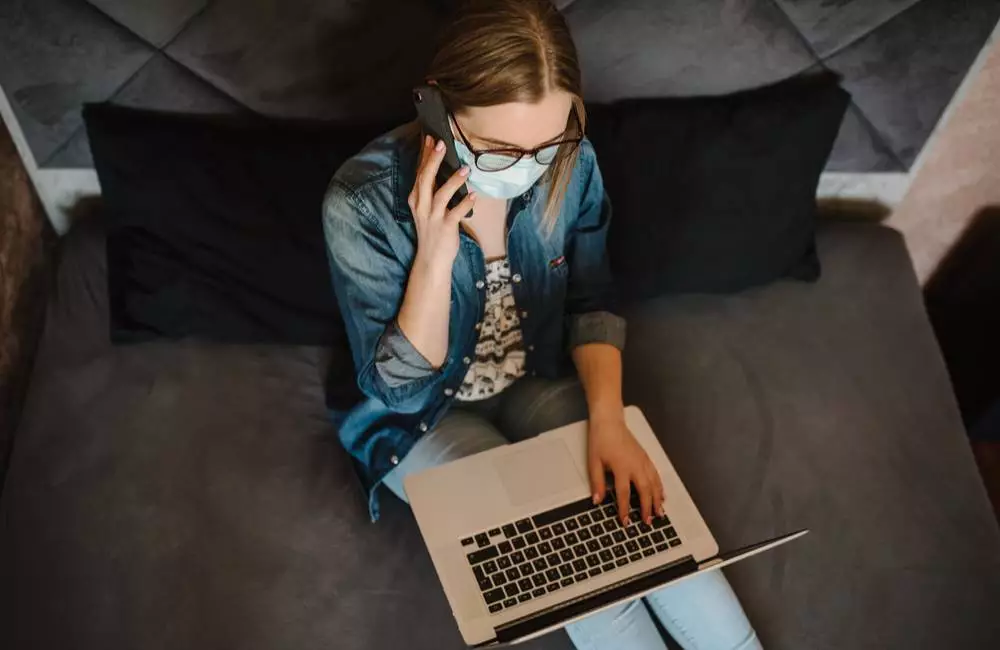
{"x": 612, "y": 447}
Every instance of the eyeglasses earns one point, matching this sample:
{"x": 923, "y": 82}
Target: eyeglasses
{"x": 496, "y": 160}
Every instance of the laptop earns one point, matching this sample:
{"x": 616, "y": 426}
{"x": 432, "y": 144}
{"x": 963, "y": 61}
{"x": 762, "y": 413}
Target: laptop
{"x": 521, "y": 549}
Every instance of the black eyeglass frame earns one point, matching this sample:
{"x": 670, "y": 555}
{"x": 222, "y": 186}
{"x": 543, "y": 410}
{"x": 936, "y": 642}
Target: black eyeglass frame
{"x": 516, "y": 154}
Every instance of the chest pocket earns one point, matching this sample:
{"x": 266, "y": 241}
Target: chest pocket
{"x": 553, "y": 250}
{"x": 559, "y": 266}
{"x": 541, "y": 260}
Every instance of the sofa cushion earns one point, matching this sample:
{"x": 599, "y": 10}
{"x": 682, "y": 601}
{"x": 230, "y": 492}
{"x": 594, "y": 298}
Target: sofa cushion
{"x": 827, "y": 407}
{"x": 188, "y": 494}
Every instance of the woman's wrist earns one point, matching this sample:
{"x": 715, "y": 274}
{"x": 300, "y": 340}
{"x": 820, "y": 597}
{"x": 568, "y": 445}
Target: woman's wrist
{"x": 606, "y": 413}
{"x": 431, "y": 268}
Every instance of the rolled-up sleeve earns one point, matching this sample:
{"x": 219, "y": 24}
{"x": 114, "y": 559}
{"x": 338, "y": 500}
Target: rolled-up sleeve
{"x": 591, "y": 309}
{"x": 399, "y": 363}
{"x": 369, "y": 281}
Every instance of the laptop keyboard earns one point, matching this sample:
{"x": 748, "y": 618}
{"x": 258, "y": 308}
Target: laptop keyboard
{"x": 529, "y": 558}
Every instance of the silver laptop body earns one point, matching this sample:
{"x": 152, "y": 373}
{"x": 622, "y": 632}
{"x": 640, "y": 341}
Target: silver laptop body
{"x": 520, "y": 549}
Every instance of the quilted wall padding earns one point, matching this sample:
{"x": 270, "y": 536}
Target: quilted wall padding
{"x": 902, "y": 60}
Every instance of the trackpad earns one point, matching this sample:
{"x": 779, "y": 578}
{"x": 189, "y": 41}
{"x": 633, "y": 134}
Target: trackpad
{"x": 537, "y": 471}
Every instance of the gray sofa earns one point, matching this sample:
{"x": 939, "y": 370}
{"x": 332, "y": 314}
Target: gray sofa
{"x": 193, "y": 495}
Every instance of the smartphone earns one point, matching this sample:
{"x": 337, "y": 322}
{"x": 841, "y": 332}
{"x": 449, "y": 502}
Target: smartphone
{"x": 434, "y": 118}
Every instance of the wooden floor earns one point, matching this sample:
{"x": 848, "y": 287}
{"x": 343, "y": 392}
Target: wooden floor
{"x": 20, "y": 231}
{"x": 25, "y": 249}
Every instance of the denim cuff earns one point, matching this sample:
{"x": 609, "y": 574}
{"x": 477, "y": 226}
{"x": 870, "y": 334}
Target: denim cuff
{"x": 399, "y": 363}
{"x": 597, "y": 327}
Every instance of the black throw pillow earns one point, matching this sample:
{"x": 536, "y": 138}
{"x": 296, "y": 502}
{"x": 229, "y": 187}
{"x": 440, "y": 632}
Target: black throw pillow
{"x": 716, "y": 194}
{"x": 215, "y": 224}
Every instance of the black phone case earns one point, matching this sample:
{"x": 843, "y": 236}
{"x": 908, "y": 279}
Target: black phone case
{"x": 434, "y": 119}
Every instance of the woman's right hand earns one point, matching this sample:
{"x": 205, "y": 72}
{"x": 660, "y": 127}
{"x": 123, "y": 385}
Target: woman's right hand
{"x": 437, "y": 226}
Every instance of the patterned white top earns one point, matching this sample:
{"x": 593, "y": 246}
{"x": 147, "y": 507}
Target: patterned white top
{"x": 499, "y": 358}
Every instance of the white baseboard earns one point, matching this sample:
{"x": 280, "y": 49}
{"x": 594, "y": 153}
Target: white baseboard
{"x": 57, "y": 189}
{"x": 887, "y": 189}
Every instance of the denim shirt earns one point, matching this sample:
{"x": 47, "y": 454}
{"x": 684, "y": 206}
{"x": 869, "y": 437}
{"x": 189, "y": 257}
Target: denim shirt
{"x": 560, "y": 281}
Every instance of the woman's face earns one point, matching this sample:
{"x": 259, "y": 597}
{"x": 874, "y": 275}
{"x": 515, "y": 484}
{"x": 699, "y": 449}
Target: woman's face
{"x": 518, "y": 124}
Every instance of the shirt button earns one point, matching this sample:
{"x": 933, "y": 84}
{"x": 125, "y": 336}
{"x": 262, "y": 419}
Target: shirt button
{"x": 423, "y": 426}
{"x": 479, "y": 326}
{"x": 466, "y": 360}
{"x": 516, "y": 278}
{"x": 448, "y": 392}
{"x": 531, "y": 348}
{"x": 480, "y": 284}
{"x": 394, "y": 459}
{"x": 524, "y": 314}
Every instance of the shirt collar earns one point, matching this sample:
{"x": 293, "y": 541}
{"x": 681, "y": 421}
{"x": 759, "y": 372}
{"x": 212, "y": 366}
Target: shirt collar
{"x": 404, "y": 171}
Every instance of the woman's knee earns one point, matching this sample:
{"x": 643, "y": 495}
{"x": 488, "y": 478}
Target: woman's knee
{"x": 532, "y": 406}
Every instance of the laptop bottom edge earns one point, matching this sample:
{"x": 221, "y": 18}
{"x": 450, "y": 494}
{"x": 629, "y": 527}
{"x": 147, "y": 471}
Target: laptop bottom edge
{"x": 539, "y": 621}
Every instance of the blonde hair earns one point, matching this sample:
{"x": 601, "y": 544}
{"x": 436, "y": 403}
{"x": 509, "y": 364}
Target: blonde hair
{"x": 501, "y": 51}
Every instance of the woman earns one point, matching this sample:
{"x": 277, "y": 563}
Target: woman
{"x": 460, "y": 319}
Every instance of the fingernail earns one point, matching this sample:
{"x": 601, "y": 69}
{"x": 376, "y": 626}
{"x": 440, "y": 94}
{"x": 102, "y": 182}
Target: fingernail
{"x": 597, "y": 498}
{"x": 625, "y": 521}
{"x": 464, "y": 171}
{"x": 473, "y": 196}
{"x": 439, "y": 146}
{"x": 649, "y": 520}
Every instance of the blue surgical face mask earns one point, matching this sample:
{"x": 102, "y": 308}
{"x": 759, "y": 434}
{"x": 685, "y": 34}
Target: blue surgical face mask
{"x": 503, "y": 184}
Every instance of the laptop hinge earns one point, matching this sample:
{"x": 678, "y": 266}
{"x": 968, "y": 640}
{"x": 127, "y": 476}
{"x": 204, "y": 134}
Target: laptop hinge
{"x": 522, "y": 627}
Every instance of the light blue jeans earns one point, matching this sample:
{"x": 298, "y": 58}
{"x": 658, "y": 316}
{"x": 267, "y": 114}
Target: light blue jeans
{"x": 701, "y": 613}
